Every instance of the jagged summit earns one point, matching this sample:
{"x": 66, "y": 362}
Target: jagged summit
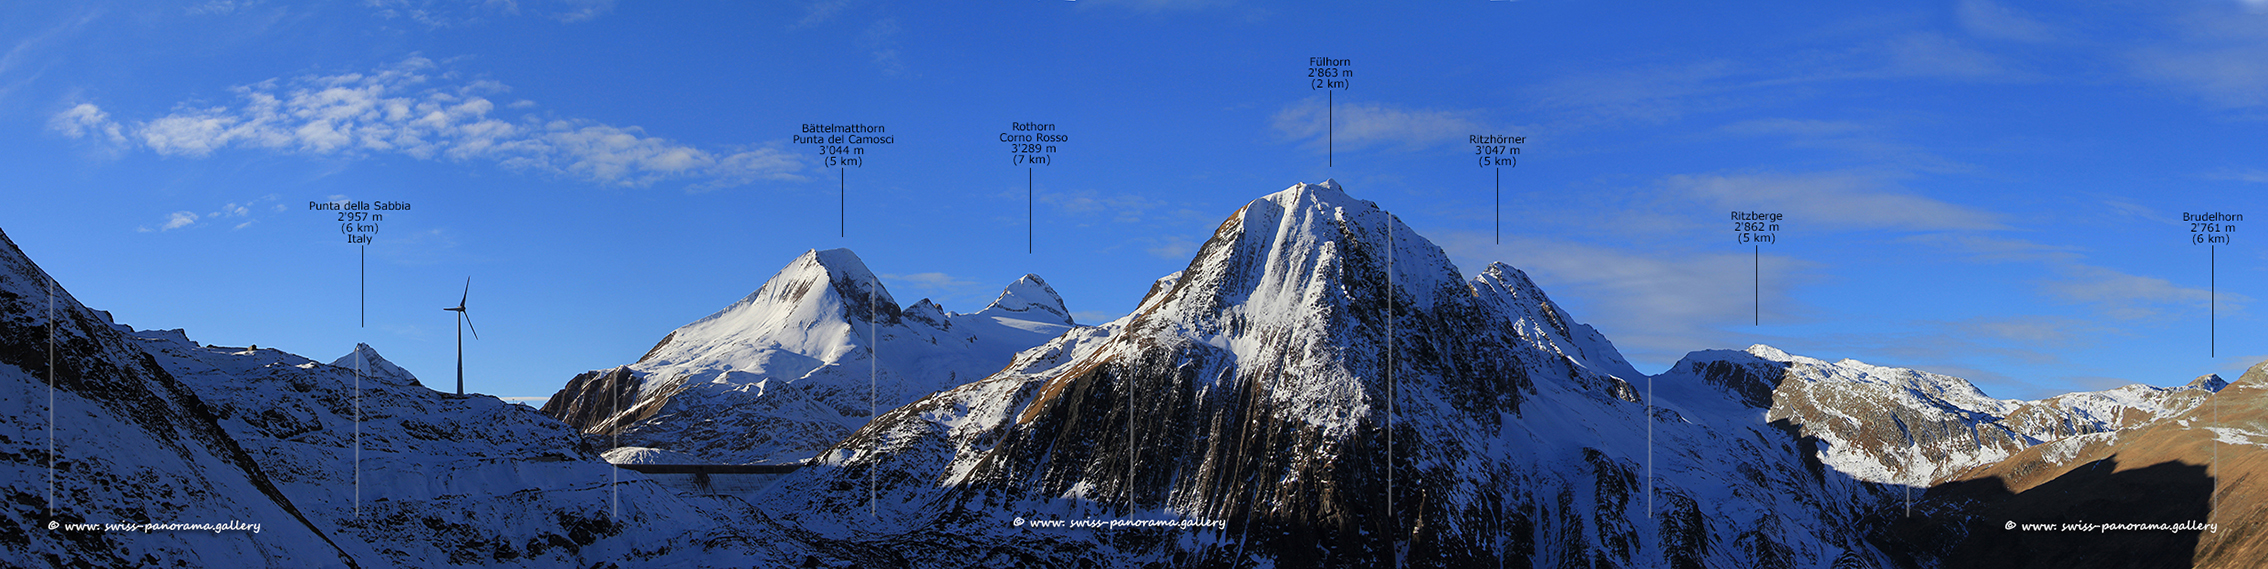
{"x": 2209, "y": 382}
{"x": 797, "y": 364}
{"x": 1255, "y": 385}
{"x": 1029, "y": 298}
{"x": 1515, "y": 294}
{"x": 374, "y": 365}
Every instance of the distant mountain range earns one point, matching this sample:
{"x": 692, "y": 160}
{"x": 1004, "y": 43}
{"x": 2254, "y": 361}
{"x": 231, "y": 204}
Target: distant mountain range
{"x": 1320, "y": 386}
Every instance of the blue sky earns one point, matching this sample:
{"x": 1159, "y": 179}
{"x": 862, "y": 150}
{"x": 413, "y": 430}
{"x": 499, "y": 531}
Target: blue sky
{"x": 1989, "y": 190}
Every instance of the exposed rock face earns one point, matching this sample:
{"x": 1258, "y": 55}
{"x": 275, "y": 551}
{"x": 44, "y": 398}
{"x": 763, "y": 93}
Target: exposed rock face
{"x": 1322, "y": 383}
{"x": 2189, "y": 466}
{"x": 797, "y": 365}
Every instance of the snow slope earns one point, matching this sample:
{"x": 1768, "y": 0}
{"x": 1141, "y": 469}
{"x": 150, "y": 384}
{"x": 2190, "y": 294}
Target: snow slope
{"x": 1915, "y": 428}
{"x": 1322, "y": 384}
{"x": 131, "y": 445}
{"x": 800, "y": 363}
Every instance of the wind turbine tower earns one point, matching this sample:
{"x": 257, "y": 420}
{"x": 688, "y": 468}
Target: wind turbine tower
{"x": 463, "y": 322}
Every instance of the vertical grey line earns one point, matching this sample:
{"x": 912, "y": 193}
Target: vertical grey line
{"x": 1392, "y": 394}
{"x": 873, "y": 397}
{"x": 364, "y": 300}
{"x": 1132, "y": 449}
{"x": 358, "y": 373}
{"x": 1649, "y": 446}
{"x": 1756, "y": 257}
{"x": 1028, "y": 231}
{"x": 842, "y": 192}
{"x": 614, "y": 473}
{"x": 1330, "y": 129}
{"x": 1500, "y": 206}
{"x": 50, "y": 397}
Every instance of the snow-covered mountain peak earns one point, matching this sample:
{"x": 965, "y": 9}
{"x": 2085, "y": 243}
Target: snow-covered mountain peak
{"x": 801, "y": 362}
{"x": 815, "y": 306}
{"x": 1029, "y": 298}
{"x": 2209, "y": 382}
{"x": 1312, "y": 246}
{"x": 1545, "y": 323}
{"x": 374, "y": 365}
{"x": 829, "y": 284}
{"x": 1774, "y": 354}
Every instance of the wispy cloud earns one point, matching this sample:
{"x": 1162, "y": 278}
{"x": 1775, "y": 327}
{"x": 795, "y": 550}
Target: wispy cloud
{"x": 819, "y": 12}
{"x": 1792, "y": 127}
{"x": 1171, "y": 247}
{"x": 446, "y": 13}
{"x": 1656, "y": 305}
{"x": 1662, "y": 91}
{"x": 1989, "y": 20}
{"x": 239, "y": 215}
{"x": 1934, "y": 55}
{"x": 2216, "y": 52}
{"x": 1362, "y": 124}
{"x": 2067, "y": 277}
{"x": 1118, "y": 207}
{"x": 930, "y": 281}
{"x": 1833, "y": 201}
{"x": 1162, "y": 5}
{"x": 175, "y": 220}
{"x": 2254, "y": 175}
{"x": 412, "y": 110}
{"x": 881, "y": 42}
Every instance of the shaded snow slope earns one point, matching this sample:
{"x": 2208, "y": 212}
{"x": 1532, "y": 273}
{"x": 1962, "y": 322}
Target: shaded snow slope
{"x": 132, "y": 444}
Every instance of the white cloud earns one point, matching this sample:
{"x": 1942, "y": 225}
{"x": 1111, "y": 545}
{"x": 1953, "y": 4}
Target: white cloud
{"x": 1832, "y": 201}
{"x": 1361, "y": 124}
{"x": 402, "y": 109}
{"x": 175, "y": 220}
{"x": 87, "y": 121}
{"x": 181, "y": 219}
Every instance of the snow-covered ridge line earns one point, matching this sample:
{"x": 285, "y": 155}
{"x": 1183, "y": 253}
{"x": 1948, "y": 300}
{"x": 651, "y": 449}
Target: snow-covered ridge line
{"x": 1904, "y": 426}
{"x": 798, "y": 364}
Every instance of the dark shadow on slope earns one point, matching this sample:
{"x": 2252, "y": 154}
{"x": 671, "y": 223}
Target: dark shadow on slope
{"x": 1968, "y": 523}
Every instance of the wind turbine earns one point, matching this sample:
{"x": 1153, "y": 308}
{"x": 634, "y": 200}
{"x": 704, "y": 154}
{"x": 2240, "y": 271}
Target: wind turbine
{"x": 463, "y": 322}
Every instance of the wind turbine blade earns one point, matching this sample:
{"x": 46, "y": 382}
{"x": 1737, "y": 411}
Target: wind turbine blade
{"x": 468, "y": 293}
{"x": 468, "y": 323}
